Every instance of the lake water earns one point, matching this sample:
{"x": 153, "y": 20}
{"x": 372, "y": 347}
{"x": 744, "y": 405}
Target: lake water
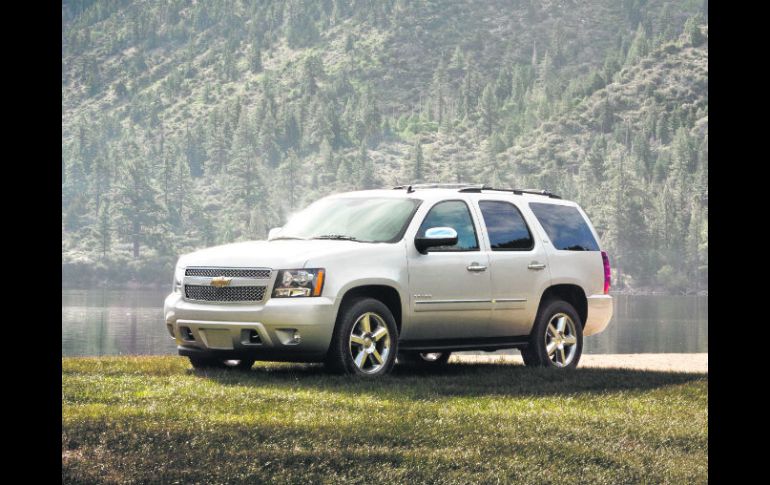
{"x": 124, "y": 322}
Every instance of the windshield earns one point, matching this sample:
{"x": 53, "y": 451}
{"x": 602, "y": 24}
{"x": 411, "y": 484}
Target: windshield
{"x": 355, "y": 218}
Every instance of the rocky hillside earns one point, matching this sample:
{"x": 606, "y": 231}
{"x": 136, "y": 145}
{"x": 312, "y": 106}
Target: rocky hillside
{"x": 186, "y": 124}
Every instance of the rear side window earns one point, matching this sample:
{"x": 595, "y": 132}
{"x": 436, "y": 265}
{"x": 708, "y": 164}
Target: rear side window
{"x": 505, "y": 226}
{"x": 565, "y": 226}
{"x": 454, "y": 214}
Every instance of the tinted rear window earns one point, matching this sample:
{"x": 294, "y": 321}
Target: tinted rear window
{"x": 505, "y": 226}
{"x": 565, "y": 226}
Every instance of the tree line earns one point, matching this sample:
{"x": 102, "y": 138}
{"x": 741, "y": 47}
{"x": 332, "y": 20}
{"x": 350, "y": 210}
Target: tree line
{"x": 140, "y": 186}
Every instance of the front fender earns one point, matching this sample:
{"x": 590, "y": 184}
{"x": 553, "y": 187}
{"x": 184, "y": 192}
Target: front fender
{"x": 374, "y": 281}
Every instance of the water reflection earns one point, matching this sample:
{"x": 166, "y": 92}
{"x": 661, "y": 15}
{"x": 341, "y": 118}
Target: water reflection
{"x": 651, "y": 324}
{"x": 125, "y": 322}
{"x": 107, "y": 322}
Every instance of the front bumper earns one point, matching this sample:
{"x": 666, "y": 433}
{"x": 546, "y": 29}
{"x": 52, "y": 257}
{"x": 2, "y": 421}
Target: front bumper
{"x": 266, "y": 331}
{"x": 599, "y": 314}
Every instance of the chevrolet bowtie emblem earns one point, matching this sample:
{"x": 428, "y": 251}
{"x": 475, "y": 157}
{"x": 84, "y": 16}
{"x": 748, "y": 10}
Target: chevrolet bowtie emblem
{"x": 221, "y": 281}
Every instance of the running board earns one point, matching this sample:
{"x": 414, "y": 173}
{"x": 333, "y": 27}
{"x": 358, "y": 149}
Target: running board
{"x": 461, "y": 344}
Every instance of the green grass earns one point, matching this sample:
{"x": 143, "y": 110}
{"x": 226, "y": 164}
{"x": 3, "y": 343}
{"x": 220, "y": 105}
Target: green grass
{"x": 153, "y": 419}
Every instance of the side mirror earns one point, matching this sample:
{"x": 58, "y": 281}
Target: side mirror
{"x": 436, "y": 236}
{"x": 273, "y": 233}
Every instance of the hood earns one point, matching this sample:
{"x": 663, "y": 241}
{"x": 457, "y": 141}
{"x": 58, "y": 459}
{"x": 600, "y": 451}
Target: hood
{"x": 278, "y": 254}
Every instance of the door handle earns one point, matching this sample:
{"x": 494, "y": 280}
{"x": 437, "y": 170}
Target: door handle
{"x": 476, "y": 267}
{"x": 536, "y": 266}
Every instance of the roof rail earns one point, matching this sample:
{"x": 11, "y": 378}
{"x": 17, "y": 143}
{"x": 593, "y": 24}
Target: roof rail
{"x": 408, "y": 188}
{"x": 412, "y": 187}
{"x": 544, "y": 193}
{"x": 474, "y": 188}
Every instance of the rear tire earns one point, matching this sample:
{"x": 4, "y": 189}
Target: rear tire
{"x": 426, "y": 360}
{"x": 365, "y": 339}
{"x": 557, "y": 337}
{"x": 213, "y": 363}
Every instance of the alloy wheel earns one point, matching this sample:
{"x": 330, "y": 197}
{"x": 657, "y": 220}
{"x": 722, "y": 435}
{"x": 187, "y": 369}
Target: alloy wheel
{"x": 561, "y": 340}
{"x": 369, "y": 343}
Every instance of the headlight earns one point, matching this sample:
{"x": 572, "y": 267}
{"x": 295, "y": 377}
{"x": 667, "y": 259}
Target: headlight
{"x": 176, "y": 286}
{"x": 292, "y": 283}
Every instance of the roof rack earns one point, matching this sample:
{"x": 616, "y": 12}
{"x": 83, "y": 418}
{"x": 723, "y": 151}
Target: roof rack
{"x": 474, "y": 188}
{"x": 412, "y": 187}
{"x": 409, "y": 188}
{"x": 545, "y": 193}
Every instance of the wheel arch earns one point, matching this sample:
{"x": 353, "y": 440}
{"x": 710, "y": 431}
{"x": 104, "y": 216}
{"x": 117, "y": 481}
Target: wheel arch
{"x": 383, "y": 292}
{"x": 572, "y": 294}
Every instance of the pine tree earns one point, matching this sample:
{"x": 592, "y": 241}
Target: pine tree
{"x": 488, "y": 110}
{"x": 370, "y": 116}
{"x": 693, "y": 245}
{"x": 546, "y": 76}
{"x": 364, "y": 168}
{"x": 181, "y": 194}
{"x": 289, "y": 170}
{"x": 438, "y": 87}
{"x": 666, "y": 23}
{"x": 74, "y": 195}
{"x": 245, "y": 166}
{"x": 194, "y": 151}
{"x": 138, "y": 211}
{"x": 682, "y": 163}
{"x": 557, "y": 42}
{"x": 105, "y": 228}
{"x": 255, "y": 59}
{"x": 457, "y": 62}
{"x": 269, "y": 140}
{"x": 640, "y": 46}
{"x": 344, "y": 174}
{"x": 312, "y": 71}
{"x": 606, "y": 120}
{"x": 468, "y": 93}
{"x": 491, "y": 172}
{"x": 692, "y": 32}
{"x": 417, "y": 168}
{"x": 100, "y": 181}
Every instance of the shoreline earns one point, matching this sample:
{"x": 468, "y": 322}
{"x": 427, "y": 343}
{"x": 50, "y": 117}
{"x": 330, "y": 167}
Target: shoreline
{"x": 154, "y": 287}
{"x": 670, "y": 362}
{"x": 697, "y": 363}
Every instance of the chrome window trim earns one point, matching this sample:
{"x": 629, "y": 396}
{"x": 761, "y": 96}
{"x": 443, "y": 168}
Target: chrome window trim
{"x": 476, "y": 227}
{"x": 497, "y": 300}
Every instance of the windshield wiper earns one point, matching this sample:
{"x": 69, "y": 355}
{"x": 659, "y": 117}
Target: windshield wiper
{"x": 341, "y": 237}
{"x": 288, "y": 237}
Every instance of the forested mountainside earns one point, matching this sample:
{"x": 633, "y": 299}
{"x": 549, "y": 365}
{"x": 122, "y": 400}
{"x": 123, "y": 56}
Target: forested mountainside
{"x": 188, "y": 124}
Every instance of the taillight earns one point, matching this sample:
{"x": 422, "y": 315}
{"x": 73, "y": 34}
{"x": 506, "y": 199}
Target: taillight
{"x": 606, "y": 261}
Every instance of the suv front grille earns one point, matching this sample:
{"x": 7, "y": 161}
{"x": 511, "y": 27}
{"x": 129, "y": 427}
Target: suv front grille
{"x": 228, "y": 293}
{"x": 256, "y": 273}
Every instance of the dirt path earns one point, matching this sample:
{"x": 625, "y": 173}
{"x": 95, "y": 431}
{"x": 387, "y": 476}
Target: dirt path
{"x": 656, "y": 362}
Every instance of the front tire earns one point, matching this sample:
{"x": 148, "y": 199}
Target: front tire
{"x": 365, "y": 340}
{"x": 556, "y": 339}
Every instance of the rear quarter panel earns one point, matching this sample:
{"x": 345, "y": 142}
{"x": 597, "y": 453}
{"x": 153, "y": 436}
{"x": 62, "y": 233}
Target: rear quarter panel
{"x": 581, "y": 268}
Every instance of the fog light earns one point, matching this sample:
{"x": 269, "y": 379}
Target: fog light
{"x": 187, "y": 334}
{"x": 250, "y": 336}
{"x": 288, "y": 336}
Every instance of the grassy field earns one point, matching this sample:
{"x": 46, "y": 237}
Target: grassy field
{"x": 153, "y": 419}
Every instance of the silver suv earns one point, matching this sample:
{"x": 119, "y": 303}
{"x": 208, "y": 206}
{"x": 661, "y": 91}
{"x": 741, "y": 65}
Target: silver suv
{"x": 360, "y": 279}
